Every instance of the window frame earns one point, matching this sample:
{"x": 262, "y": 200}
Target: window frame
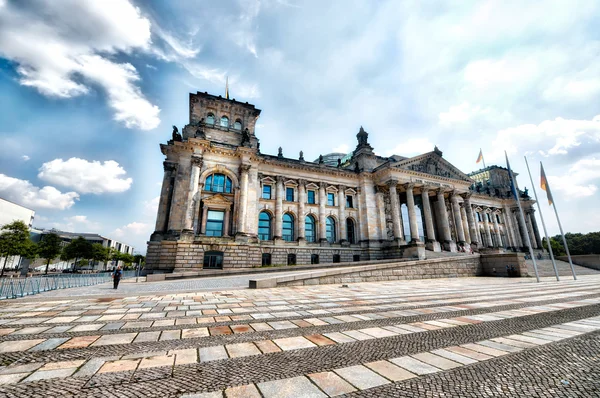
{"x": 210, "y": 116}
{"x": 350, "y": 229}
{"x": 289, "y": 190}
{"x": 291, "y": 259}
{"x": 213, "y": 256}
{"x": 210, "y": 184}
{"x": 236, "y": 123}
{"x": 266, "y": 259}
{"x": 269, "y": 235}
{"x": 313, "y": 229}
{"x": 314, "y": 258}
{"x": 288, "y": 237}
{"x": 350, "y": 201}
{"x": 308, "y": 197}
{"x": 330, "y": 230}
{"x": 268, "y": 187}
{"x": 224, "y": 119}
{"x": 210, "y": 220}
{"x": 330, "y": 199}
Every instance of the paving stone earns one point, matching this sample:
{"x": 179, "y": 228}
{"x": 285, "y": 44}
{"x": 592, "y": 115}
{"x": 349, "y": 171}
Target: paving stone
{"x": 332, "y": 384}
{"x": 185, "y": 356}
{"x": 167, "y": 335}
{"x": 320, "y": 340}
{"x": 49, "y": 344}
{"x": 218, "y": 330}
{"x": 339, "y": 337}
{"x": 454, "y": 356}
{"x": 50, "y": 374}
{"x": 12, "y": 378}
{"x": 113, "y": 339}
{"x": 361, "y": 377}
{"x": 293, "y": 343}
{"x": 248, "y": 391}
{"x": 242, "y": 350}
{"x": 212, "y": 353}
{"x": 156, "y": 361}
{"x": 121, "y": 365}
{"x": 62, "y": 365}
{"x": 288, "y": 388}
{"x": 435, "y": 360}
{"x": 390, "y": 371}
{"x": 267, "y": 346}
{"x": 414, "y": 366}
{"x": 20, "y": 345}
{"x": 469, "y": 353}
{"x": 378, "y": 332}
{"x": 25, "y": 368}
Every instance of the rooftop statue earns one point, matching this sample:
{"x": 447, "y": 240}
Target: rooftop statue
{"x": 176, "y": 135}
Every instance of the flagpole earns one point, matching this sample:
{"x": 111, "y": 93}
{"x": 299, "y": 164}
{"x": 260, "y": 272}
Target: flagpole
{"x": 522, "y": 218}
{"x": 543, "y": 223}
{"x": 563, "y": 236}
{"x": 483, "y": 160}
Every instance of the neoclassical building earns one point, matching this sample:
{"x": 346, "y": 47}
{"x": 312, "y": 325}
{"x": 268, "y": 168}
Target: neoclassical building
{"x": 225, "y": 204}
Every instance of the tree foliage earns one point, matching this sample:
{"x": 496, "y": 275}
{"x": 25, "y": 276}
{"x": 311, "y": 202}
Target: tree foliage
{"x": 14, "y": 241}
{"x": 49, "y": 248}
{"x": 79, "y": 248}
{"x": 578, "y": 243}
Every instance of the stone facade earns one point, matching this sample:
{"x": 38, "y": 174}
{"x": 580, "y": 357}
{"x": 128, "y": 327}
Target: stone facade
{"x": 224, "y": 204}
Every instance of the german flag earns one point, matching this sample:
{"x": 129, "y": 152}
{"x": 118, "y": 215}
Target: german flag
{"x": 545, "y": 186}
{"x": 480, "y": 157}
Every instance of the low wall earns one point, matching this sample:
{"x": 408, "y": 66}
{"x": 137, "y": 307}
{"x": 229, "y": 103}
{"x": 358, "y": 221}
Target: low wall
{"x": 459, "y": 266}
{"x": 495, "y": 264}
{"x": 585, "y": 260}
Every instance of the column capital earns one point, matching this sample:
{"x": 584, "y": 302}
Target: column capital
{"x": 197, "y": 161}
{"x": 322, "y": 185}
{"x": 454, "y": 194}
{"x": 391, "y": 183}
{"x": 439, "y": 191}
{"x": 342, "y": 188}
{"x": 302, "y": 182}
{"x": 170, "y": 166}
{"x": 425, "y": 189}
{"x": 245, "y": 168}
{"x": 409, "y": 185}
{"x": 466, "y": 196}
{"x": 280, "y": 180}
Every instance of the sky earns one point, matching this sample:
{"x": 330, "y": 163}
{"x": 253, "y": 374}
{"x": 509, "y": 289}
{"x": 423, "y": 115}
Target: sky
{"x": 89, "y": 89}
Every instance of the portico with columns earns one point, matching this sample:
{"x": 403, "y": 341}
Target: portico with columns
{"x": 225, "y": 204}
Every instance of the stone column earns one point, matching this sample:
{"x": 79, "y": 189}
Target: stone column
{"x": 449, "y": 244}
{"x": 360, "y": 233}
{"x": 530, "y": 230}
{"x": 166, "y": 195}
{"x": 226, "y": 221}
{"x": 322, "y": 202}
{"x": 473, "y": 228}
{"x": 395, "y": 203}
{"x": 519, "y": 229}
{"x": 197, "y": 200}
{"x": 486, "y": 226}
{"x": 188, "y": 222}
{"x": 301, "y": 217}
{"x": 279, "y": 209}
{"x": 243, "y": 205}
{"x": 465, "y": 224}
{"x": 536, "y": 231}
{"x": 204, "y": 215}
{"x": 508, "y": 229}
{"x": 499, "y": 242}
{"x": 429, "y": 230}
{"x": 460, "y": 233}
{"x": 342, "y": 213}
{"x": 412, "y": 214}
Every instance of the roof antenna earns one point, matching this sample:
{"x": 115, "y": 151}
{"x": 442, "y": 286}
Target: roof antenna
{"x": 227, "y": 87}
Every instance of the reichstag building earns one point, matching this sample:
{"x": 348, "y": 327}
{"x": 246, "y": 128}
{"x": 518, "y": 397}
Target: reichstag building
{"x": 224, "y": 204}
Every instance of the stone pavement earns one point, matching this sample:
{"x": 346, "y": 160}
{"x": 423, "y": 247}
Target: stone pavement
{"x": 468, "y": 337}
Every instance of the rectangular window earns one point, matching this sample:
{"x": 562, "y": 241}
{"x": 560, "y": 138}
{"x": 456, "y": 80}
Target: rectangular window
{"x": 356, "y": 257}
{"x": 330, "y": 199}
{"x": 314, "y": 259}
{"x": 266, "y": 192}
{"x": 311, "y": 197}
{"x": 266, "y": 259}
{"x": 478, "y": 216}
{"x": 291, "y": 259}
{"x": 289, "y": 194}
{"x": 336, "y": 258}
{"x": 214, "y": 223}
{"x": 349, "y": 203}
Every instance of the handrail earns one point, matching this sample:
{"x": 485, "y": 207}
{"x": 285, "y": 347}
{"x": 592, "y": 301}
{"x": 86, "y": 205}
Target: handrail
{"x": 11, "y": 288}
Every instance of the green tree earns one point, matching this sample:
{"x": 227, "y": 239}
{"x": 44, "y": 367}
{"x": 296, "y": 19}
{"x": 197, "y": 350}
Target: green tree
{"x": 139, "y": 259}
{"x": 100, "y": 253}
{"x": 14, "y": 241}
{"x": 78, "y": 248}
{"x": 557, "y": 247}
{"x": 49, "y": 248}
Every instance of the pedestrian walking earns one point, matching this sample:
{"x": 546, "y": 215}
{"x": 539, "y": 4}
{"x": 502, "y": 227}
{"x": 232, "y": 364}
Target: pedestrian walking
{"x": 117, "y": 274}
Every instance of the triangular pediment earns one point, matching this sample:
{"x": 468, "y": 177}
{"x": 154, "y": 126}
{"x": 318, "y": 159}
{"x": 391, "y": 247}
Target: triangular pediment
{"x": 217, "y": 199}
{"x": 433, "y": 164}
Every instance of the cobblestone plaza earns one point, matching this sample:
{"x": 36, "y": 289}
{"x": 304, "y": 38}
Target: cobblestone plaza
{"x": 467, "y": 337}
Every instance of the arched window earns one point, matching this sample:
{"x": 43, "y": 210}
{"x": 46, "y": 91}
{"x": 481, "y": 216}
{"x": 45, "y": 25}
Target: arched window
{"x": 237, "y": 125}
{"x": 288, "y": 227}
{"x": 218, "y": 183}
{"x": 264, "y": 226}
{"x": 310, "y": 229}
{"x": 330, "y": 230}
{"x": 224, "y": 121}
{"x": 350, "y": 230}
{"x": 210, "y": 119}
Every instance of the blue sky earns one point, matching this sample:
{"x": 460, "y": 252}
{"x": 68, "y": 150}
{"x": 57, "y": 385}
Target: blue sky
{"x": 88, "y": 90}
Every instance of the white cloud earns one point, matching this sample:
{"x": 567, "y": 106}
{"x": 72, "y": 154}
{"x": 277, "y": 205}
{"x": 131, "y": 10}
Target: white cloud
{"x": 25, "y": 158}
{"x": 550, "y": 137}
{"x": 26, "y": 194}
{"x": 151, "y": 206}
{"x": 342, "y": 148}
{"x": 62, "y": 47}
{"x": 461, "y": 114}
{"x": 579, "y": 181}
{"x": 134, "y": 228}
{"x": 85, "y": 176}
{"x": 411, "y": 147}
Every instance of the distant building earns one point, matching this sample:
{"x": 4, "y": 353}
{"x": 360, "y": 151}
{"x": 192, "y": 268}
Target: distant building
{"x": 67, "y": 237}
{"x": 10, "y": 212}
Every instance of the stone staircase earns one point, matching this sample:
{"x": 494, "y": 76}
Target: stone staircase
{"x": 564, "y": 269}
